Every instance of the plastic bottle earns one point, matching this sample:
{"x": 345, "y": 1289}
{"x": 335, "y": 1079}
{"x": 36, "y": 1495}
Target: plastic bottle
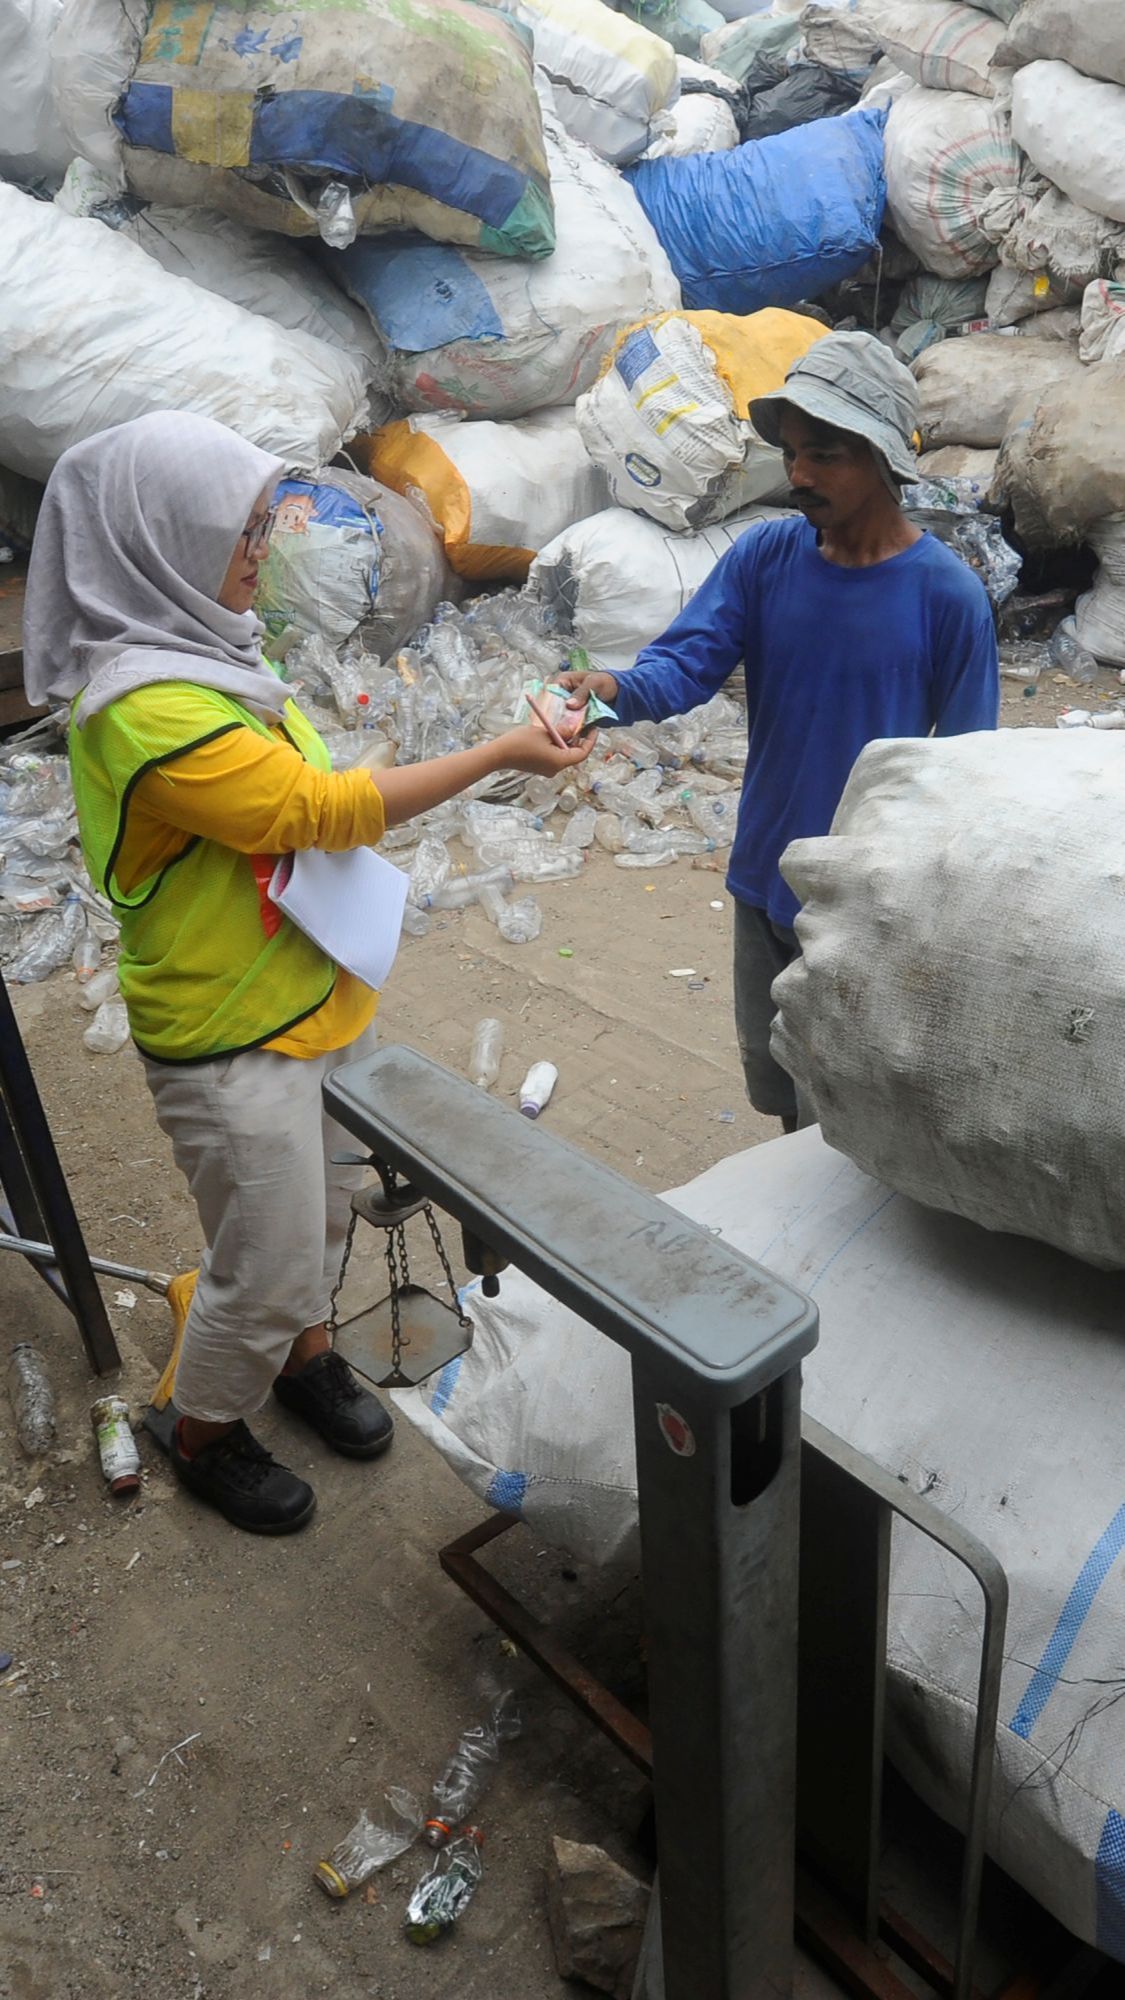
{"x": 660, "y": 859}
{"x": 32, "y": 1399}
{"x": 579, "y": 830}
{"x": 471, "y": 1765}
{"x": 445, "y": 1888}
{"x": 121, "y": 1461}
{"x": 521, "y": 921}
{"x": 103, "y": 986}
{"x": 465, "y": 889}
{"x": 488, "y": 1047}
{"x": 430, "y": 869}
{"x": 415, "y": 922}
{"x": 375, "y": 1839}
{"x": 109, "y": 1029}
{"x": 1082, "y": 718}
{"x": 536, "y": 1088}
{"x": 542, "y": 795}
{"x": 87, "y": 956}
{"x": 716, "y": 816}
{"x": 1069, "y": 656}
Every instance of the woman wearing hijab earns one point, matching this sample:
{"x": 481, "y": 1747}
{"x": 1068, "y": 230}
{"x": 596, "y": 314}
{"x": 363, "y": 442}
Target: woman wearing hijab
{"x": 193, "y": 771}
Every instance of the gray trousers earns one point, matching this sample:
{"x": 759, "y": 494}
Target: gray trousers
{"x": 762, "y": 950}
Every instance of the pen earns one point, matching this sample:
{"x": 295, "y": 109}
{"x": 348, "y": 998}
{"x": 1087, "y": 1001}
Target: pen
{"x": 553, "y": 733}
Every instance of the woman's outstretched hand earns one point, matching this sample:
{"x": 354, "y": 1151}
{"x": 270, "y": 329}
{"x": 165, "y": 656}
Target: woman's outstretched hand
{"x": 530, "y": 749}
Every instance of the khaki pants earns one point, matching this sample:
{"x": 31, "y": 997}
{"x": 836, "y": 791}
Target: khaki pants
{"x": 250, "y": 1136}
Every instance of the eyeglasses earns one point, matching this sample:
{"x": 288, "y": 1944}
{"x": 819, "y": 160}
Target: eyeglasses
{"x": 256, "y": 534}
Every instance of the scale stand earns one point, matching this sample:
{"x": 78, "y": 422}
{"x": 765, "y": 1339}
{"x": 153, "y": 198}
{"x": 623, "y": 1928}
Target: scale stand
{"x": 38, "y": 1200}
{"x": 411, "y": 1334}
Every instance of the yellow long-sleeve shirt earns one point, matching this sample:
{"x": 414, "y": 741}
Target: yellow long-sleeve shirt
{"x": 262, "y": 798}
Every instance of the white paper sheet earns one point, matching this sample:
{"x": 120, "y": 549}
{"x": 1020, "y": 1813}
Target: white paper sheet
{"x": 349, "y": 904}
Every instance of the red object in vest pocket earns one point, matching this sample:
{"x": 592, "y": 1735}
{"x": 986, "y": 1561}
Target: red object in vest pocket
{"x": 264, "y": 866}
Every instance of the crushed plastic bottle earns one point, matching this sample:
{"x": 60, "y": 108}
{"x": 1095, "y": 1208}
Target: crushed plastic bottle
{"x": 32, "y": 1399}
{"x": 488, "y": 1046}
{"x": 471, "y": 1765}
{"x": 579, "y": 829}
{"x": 445, "y": 1889}
{"x": 466, "y": 889}
{"x": 86, "y": 956}
{"x": 531, "y": 859}
{"x": 335, "y": 216}
{"x": 430, "y": 870}
{"x": 102, "y": 987}
{"x": 716, "y": 816}
{"x": 662, "y": 858}
{"x": 50, "y": 942}
{"x": 536, "y": 1088}
{"x": 376, "y": 1838}
{"x": 520, "y": 922}
{"x": 1068, "y": 655}
{"x": 109, "y": 1029}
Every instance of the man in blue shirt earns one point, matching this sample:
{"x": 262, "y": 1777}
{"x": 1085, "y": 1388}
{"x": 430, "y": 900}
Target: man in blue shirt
{"x": 852, "y": 624}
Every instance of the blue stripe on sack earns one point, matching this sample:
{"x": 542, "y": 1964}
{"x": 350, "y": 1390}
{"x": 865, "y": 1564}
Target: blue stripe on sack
{"x": 1090, "y": 1579}
{"x": 144, "y": 116}
{"x": 420, "y": 296}
{"x": 1109, "y": 1884}
{"x": 445, "y": 1385}
{"x": 324, "y": 131}
{"x": 506, "y": 1491}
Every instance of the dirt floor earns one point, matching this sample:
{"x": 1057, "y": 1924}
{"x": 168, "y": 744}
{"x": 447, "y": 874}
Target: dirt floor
{"x": 193, "y": 1716}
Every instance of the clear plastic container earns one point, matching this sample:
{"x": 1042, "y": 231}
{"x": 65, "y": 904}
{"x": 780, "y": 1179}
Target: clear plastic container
{"x": 466, "y": 889}
{"x": 716, "y": 816}
{"x": 1068, "y": 655}
{"x": 661, "y": 859}
{"x": 430, "y": 870}
{"x": 488, "y": 1047}
{"x": 109, "y": 1029}
{"x": 32, "y": 1399}
{"x": 445, "y": 1888}
{"x": 86, "y": 956}
{"x": 472, "y": 1763}
{"x": 521, "y": 921}
{"x": 579, "y": 829}
{"x": 102, "y": 987}
{"x": 377, "y": 1838}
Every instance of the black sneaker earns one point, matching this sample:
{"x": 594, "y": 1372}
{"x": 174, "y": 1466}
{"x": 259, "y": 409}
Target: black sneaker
{"x": 326, "y": 1394}
{"x": 237, "y": 1475}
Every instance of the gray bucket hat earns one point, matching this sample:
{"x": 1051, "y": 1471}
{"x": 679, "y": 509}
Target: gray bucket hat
{"x": 852, "y": 381}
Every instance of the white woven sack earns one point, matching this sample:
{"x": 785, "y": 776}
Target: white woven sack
{"x": 1073, "y": 130}
{"x": 985, "y": 1373}
{"x": 1016, "y": 296}
{"x": 1052, "y": 234}
{"x": 610, "y": 76}
{"x": 1100, "y": 613}
{"x": 970, "y": 387}
{"x": 952, "y": 179}
{"x": 840, "y": 34}
{"x": 669, "y": 437}
{"x": 94, "y": 332}
{"x": 945, "y": 1037}
{"x": 31, "y": 142}
{"x": 1103, "y": 322}
{"x": 698, "y": 121}
{"x": 941, "y": 44}
{"x": 1087, "y": 34}
{"x": 616, "y": 581}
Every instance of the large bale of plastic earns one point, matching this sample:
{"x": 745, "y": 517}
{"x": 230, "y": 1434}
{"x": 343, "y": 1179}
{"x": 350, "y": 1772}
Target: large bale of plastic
{"x": 250, "y": 267}
{"x": 1103, "y": 322}
{"x": 615, "y": 582}
{"x": 942, "y": 1039}
{"x": 93, "y": 332}
{"x": 702, "y": 119}
{"x": 1072, "y": 128}
{"x": 1062, "y": 465}
{"x": 497, "y": 493}
{"x": 683, "y": 24}
{"x": 952, "y": 179}
{"x": 278, "y": 116}
{"x": 736, "y": 46}
{"x": 610, "y": 76}
{"x": 1014, "y": 296}
{"x": 32, "y": 146}
{"x": 959, "y": 461}
{"x": 669, "y": 418}
{"x": 1100, "y": 612}
{"x": 777, "y": 220}
{"x": 942, "y": 44}
{"x": 491, "y": 337}
{"x": 1087, "y": 34}
{"x": 929, "y": 308}
{"x": 349, "y": 557}
{"x": 983, "y": 1371}
{"x": 840, "y": 35}
{"x": 970, "y": 388}
{"x": 1054, "y": 238}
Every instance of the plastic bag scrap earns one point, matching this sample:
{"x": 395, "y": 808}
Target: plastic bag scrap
{"x": 48, "y": 906}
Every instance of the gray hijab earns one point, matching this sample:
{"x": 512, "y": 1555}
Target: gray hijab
{"x": 136, "y": 530}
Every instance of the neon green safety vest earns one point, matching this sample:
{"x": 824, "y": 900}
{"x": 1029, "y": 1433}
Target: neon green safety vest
{"x": 198, "y": 973}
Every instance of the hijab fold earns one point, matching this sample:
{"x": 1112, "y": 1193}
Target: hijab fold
{"x": 136, "y": 531}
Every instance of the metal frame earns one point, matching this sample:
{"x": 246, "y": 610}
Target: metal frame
{"x": 40, "y": 1204}
{"x": 716, "y": 1345}
{"x": 846, "y": 1506}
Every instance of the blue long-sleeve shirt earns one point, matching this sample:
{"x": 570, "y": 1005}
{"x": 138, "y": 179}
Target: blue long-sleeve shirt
{"x": 834, "y": 658}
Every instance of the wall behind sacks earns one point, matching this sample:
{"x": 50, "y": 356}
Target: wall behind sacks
{"x": 775, "y": 221}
